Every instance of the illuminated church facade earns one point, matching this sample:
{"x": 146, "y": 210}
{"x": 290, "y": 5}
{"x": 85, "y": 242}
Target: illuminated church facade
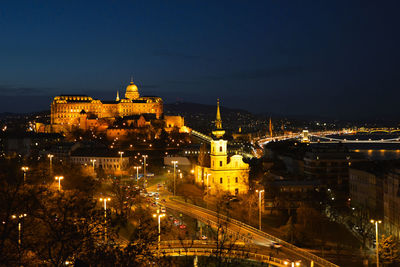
{"x": 88, "y": 113}
{"x": 224, "y": 174}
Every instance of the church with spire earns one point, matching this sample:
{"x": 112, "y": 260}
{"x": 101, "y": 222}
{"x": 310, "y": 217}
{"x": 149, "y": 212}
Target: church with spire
{"x": 225, "y": 174}
{"x": 85, "y": 112}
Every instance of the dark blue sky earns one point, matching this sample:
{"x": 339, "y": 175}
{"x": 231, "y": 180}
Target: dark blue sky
{"x": 329, "y": 58}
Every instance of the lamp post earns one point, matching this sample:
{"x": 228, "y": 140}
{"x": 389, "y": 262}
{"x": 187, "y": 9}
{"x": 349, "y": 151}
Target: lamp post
{"x": 105, "y": 205}
{"x": 105, "y": 215}
{"x": 50, "y": 156}
{"x": 19, "y": 217}
{"x": 377, "y": 240}
{"x": 174, "y": 162}
{"x": 93, "y": 161}
{"x": 25, "y": 169}
{"x": 137, "y": 172}
{"x": 59, "y": 178}
{"x": 144, "y": 165}
{"x": 120, "y": 162}
{"x": 159, "y": 216}
{"x": 259, "y": 207}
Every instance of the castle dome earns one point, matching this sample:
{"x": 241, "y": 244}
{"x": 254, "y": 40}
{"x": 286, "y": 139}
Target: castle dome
{"x": 132, "y": 91}
{"x": 131, "y": 87}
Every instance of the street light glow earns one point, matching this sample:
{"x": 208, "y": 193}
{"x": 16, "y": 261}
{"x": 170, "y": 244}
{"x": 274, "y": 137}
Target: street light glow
{"x": 59, "y": 178}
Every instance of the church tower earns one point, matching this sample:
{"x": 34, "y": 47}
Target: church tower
{"x": 218, "y": 132}
{"x": 219, "y": 156}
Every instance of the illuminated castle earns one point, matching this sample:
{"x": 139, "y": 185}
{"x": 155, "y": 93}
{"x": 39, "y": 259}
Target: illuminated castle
{"x": 85, "y": 112}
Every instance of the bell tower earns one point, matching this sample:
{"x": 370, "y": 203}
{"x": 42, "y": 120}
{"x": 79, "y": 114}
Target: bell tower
{"x": 218, "y": 155}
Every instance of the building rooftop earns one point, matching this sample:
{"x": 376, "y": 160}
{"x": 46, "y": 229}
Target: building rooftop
{"x": 97, "y": 152}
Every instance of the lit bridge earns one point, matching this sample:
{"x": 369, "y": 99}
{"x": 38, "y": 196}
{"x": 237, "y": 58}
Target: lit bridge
{"x": 246, "y": 232}
{"x": 201, "y": 136}
{"x": 327, "y": 139}
{"x": 376, "y": 130}
{"x": 237, "y": 250}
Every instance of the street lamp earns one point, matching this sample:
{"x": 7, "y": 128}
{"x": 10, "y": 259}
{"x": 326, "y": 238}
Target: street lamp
{"x": 144, "y": 165}
{"x": 25, "y": 169}
{"x": 174, "y": 162}
{"x": 120, "y": 162}
{"x": 377, "y": 240}
{"x": 137, "y": 172}
{"x": 19, "y": 217}
{"x": 159, "y": 216}
{"x": 93, "y": 161}
{"x": 59, "y": 178}
{"x": 259, "y": 207}
{"x": 50, "y": 156}
{"x": 105, "y": 215}
{"x": 105, "y": 204}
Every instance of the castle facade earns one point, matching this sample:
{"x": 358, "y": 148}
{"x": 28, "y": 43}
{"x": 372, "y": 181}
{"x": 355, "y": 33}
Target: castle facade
{"x": 86, "y": 112}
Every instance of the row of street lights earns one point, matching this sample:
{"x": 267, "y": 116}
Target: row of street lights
{"x": 59, "y": 178}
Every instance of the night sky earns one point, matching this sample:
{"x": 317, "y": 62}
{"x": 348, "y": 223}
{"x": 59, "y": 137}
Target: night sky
{"x": 327, "y": 58}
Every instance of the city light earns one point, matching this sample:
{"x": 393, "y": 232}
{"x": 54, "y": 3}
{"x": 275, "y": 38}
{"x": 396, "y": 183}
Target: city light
{"x": 376, "y": 222}
{"x": 24, "y": 169}
{"x": 59, "y": 178}
{"x": 159, "y": 215}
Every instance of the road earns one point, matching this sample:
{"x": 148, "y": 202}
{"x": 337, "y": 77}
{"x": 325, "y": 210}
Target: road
{"x": 242, "y": 231}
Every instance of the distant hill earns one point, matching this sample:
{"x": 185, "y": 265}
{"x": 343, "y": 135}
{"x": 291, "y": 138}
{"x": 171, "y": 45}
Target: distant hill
{"x": 195, "y": 108}
{"x": 201, "y": 117}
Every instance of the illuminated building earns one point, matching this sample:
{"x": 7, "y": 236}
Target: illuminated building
{"x": 391, "y": 200}
{"x": 108, "y": 160}
{"x": 86, "y": 112}
{"x": 225, "y": 174}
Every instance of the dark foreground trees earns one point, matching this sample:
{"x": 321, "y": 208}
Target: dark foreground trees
{"x": 40, "y": 225}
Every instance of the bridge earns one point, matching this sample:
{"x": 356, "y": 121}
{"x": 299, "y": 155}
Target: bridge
{"x": 265, "y": 140}
{"x": 201, "y": 136}
{"x": 325, "y": 139}
{"x": 376, "y": 130}
{"x": 237, "y": 250}
{"x": 246, "y": 232}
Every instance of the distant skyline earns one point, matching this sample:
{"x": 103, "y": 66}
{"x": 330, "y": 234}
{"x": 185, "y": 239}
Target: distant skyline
{"x": 337, "y": 59}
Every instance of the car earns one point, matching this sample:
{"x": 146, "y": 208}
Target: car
{"x": 203, "y": 237}
{"x": 154, "y": 204}
{"x": 176, "y": 222}
{"x": 182, "y": 226}
{"x": 171, "y": 217}
{"x": 275, "y": 245}
{"x": 163, "y": 200}
{"x": 156, "y": 197}
{"x": 163, "y": 210}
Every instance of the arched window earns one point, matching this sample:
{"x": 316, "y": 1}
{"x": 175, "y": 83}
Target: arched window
{"x": 220, "y": 180}
{"x": 220, "y": 149}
